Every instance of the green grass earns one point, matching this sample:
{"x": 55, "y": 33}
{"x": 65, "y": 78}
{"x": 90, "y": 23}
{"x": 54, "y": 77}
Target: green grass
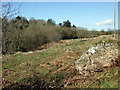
{"x": 23, "y": 67}
{"x": 109, "y": 79}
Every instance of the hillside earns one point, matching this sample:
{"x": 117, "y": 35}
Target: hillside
{"x": 54, "y": 66}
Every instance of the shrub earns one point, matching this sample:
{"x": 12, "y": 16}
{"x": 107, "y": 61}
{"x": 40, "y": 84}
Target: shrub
{"x": 36, "y": 35}
{"x": 67, "y": 33}
{"x": 83, "y": 34}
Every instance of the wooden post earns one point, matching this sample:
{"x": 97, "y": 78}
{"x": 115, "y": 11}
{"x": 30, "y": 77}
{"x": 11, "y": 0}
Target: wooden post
{"x": 114, "y": 18}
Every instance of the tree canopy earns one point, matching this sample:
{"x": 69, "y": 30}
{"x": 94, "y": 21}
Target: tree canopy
{"x": 51, "y": 22}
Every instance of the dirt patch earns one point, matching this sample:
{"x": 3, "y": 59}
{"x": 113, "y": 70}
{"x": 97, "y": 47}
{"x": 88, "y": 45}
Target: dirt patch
{"x": 45, "y": 46}
{"x": 49, "y": 45}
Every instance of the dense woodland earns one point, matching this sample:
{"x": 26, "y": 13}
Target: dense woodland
{"x": 20, "y": 34}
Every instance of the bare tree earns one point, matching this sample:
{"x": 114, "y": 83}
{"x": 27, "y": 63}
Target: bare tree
{"x": 8, "y": 11}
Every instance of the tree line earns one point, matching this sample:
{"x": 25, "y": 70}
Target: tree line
{"x": 20, "y": 34}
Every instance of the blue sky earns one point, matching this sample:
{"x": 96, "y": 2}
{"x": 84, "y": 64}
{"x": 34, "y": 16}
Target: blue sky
{"x": 119, "y": 15}
{"x": 91, "y": 15}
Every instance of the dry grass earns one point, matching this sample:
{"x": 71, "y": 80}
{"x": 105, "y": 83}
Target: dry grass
{"x": 54, "y": 67}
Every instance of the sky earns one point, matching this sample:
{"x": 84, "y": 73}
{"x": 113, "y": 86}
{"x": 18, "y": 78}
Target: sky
{"x": 59, "y": 0}
{"x": 119, "y": 15}
{"x": 91, "y": 15}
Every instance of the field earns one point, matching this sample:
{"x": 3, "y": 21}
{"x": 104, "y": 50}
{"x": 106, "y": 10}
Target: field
{"x": 53, "y": 66}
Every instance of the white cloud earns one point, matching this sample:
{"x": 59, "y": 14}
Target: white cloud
{"x": 105, "y": 22}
